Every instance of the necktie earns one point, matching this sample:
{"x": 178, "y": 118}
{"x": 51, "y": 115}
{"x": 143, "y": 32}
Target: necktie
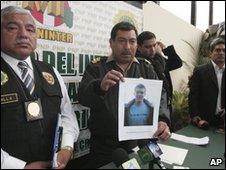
{"x": 26, "y": 77}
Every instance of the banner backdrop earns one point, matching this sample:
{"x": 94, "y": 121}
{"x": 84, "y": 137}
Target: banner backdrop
{"x": 70, "y": 35}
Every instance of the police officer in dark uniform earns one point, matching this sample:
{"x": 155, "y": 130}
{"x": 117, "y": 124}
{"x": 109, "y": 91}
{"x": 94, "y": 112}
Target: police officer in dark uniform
{"x": 99, "y": 91}
{"x": 32, "y": 95}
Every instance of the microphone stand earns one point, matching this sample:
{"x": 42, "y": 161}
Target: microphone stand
{"x": 151, "y": 165}
{"x": 159, "y": 163}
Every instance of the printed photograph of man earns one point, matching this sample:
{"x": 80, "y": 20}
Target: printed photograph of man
{"x": 139, "y": 111}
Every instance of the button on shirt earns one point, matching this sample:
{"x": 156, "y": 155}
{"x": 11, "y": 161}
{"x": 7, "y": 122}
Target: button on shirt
{"x": 69, "y": 120}
{"x": 219, "y": 74}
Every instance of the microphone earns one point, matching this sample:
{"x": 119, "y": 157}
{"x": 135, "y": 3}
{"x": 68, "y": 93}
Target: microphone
{"x": 144, "y": 153}
{"x": 159, "y": 163}
{"x": 153, "y": 151}
{"x": 121, "y": 159}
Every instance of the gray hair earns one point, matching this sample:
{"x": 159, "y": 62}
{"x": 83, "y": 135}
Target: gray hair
{"x": 216, "y": 42}
{"x": 12, "y": 10}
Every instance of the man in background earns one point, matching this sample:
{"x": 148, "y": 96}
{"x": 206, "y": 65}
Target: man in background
{"x": 164, "y": 59}
{"x": 207, "y": 89}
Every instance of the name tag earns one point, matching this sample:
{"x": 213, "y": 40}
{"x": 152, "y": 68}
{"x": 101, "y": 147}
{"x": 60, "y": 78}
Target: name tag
{"x": 9, "y": 98}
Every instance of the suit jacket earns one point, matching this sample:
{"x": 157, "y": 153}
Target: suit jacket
{"x": 204, "y": 92}
{"x": 173, "y": 62}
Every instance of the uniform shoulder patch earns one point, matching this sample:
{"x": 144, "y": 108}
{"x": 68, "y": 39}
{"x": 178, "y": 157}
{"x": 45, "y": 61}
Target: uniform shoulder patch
{"x": 96, "y": 60}
{"x": 48, "y": 77}
{"x": 4, "y": 78}
{"x": 144, "y": 60}
{"x": 147, "y": 61}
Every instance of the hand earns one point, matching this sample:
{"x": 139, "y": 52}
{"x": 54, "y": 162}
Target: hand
{"x": 110, "y": 79}
{"x": 197, "y": 121}
{"x": 163, "y": 131}
{"x": 203, "y": 124}
{"x": 38, "y": 165}
{"x": 161, "y": 45}
{"x": 63, "y": 157}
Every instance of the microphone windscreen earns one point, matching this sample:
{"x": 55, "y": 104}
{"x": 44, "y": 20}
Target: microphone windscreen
{"x": 145, "y": 155}
{"x": 119, "y": 156}
{"x": 142, "y": 143}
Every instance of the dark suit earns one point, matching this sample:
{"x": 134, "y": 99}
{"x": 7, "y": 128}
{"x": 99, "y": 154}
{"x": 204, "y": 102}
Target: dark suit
{"x": 204, "y": 92}
{"x": 173, "y": 62}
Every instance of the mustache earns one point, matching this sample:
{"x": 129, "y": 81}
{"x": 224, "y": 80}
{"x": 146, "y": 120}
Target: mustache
{"x": 126, "y": 53}
{"x": 23, "y": 41}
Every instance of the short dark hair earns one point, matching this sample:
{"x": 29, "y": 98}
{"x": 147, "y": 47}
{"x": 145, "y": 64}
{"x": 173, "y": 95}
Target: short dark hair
{"x": 215, "y": 42}
{"x": 140, "y": 86}
{"x": 125, "y": 26}
{"x": 146, "y": 35}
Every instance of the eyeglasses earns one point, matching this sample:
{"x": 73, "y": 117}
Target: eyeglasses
{"x": 218, "y": 50}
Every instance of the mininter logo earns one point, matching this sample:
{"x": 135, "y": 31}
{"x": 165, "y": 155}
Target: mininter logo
{"x": 51, "y": 13}
{"x": 125, "y": 16}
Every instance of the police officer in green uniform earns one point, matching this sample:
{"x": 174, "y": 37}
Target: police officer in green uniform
{"x": 32, "y": 95}
{"x": 99, "y": 91}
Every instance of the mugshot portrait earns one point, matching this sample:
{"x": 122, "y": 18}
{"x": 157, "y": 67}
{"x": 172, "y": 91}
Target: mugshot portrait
{"x": 139, "y": 111}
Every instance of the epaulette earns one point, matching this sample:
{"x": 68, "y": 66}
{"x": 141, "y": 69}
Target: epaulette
{"x": 145, "y": 60}
{"x": 4, "y": 78}
{"x": 99, "y": 59}
{"x": 96, "y": 60}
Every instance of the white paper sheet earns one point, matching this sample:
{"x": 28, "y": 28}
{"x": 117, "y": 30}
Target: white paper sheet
{"x": 127, "y": 95}
{"x": 191, "y": 140}
{"x": 172, "y": 155}
{"x": 180, "y": 167}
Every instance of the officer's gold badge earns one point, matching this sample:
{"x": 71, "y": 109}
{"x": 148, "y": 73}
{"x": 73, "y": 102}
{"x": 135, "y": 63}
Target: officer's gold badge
{"x": 4, "y": 78}
{"x": 49, "y": 78}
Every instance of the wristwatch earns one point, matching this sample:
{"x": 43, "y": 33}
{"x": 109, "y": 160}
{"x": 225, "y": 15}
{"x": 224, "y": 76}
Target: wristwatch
{"x": 69, "y": 148}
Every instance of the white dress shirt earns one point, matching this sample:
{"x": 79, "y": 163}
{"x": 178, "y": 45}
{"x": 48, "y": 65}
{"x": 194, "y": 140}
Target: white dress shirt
{"x": 219, "y": 74}
{"x": 69, "y": 120}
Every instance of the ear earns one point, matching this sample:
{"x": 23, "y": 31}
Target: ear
{"x": 111, "y": 42}
{"x": 210, "y": 54}
{"x": 138, "y": 47}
